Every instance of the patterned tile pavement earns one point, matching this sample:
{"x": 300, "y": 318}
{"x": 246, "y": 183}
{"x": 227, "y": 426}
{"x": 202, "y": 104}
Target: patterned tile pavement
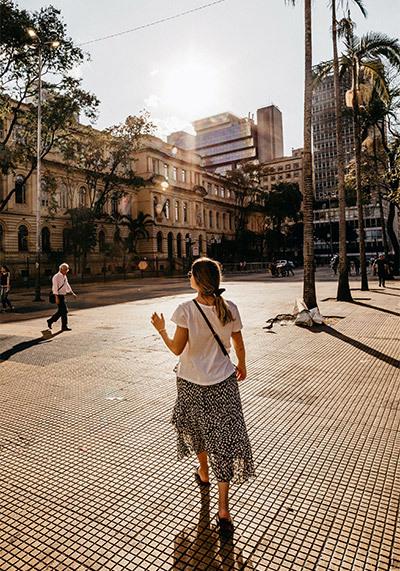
{"x": 89, "y": 478}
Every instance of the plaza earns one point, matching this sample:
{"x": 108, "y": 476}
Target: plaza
{"x": 90, "y": 479}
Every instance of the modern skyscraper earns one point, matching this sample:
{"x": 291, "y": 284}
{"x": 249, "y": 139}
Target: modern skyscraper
{"x": 269, "y": 134}
{"x": 324, "y": 137}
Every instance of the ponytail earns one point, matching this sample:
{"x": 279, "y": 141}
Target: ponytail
{"x": 223, "y": 312}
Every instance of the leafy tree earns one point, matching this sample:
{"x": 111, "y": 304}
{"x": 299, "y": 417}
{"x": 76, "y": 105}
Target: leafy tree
{"x": 106, "y": 158}
{"x": 83, "y": 235}
{"x": 138, "y": 228}
{"x": 63, "y": 98}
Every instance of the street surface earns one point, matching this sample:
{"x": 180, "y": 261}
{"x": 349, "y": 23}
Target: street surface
{"x": 89, "y": 478}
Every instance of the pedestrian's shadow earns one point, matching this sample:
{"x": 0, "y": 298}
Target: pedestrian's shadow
{"x": 19, "y": 347}
{"x": 361, "y": 346}
{"x": 385, "y": 292}
{"x": 202, "y": 549}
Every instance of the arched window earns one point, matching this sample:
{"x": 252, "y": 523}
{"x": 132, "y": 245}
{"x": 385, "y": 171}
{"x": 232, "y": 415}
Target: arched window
{"x": 200, "y": 244}
{"x": 1, "y": 238}
{"x": 170, "y": 242}
{"x": 159, "y": 242}
{"x": 224, "y": 220}
{"x": 46, "y": 240}
{"x": 185, "y": 212}
{"x": 179, "y": 245}
{"x": 188, "y": 245}
{"x": 217, "y": 219}
{"x": 102, "y": 241}
{"x": 67, "y": 240}
{"x": 155, "y": 202}
{"x": 176, "y": 211}
{"x": 210, "y": 219}
{"x": 20, "y": 190}
{"x": 63, "y": 197}
{"x": 114, "y": 205}
{"x": 82, "y": 197}
{"x": 44, "y": 194}
{"x": 167, "y": 208}
{"x": 22, "y": 239}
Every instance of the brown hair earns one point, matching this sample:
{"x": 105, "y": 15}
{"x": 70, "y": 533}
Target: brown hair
{"x": 207, "y": 274}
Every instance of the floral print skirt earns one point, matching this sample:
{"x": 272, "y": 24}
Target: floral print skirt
{"x": 210, "y": 418}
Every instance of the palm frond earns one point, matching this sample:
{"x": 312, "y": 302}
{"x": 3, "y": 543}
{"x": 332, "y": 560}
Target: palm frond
{"x": 378, "y": 45}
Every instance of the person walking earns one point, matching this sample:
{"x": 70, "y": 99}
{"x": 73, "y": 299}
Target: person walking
{"x": 5, "y": 285}
{"x": 207, "y": 415}
{"x": 380, "y": 266}
{"x": 60, "y": 288}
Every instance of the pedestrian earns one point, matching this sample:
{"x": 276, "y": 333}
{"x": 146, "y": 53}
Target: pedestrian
{"x": 208, "y": 415}
{"x": 60, "y": 288}
{"x": 380, "y": 266}
{"x": 357, "y": 266}
{"x": 5, "y": 285}
{"x": 334, "y": 263}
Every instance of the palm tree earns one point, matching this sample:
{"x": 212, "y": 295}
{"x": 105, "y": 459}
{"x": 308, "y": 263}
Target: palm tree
{"x": 343, "y": 291}
{"x": 138, "y": 228}
{"x": 309, "y": 294}
{"x": 365, "y": 59}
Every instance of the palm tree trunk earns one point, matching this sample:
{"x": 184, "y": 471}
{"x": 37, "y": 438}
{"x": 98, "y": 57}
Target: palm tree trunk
{"x": 383, "y": 224}
{"x": 393, "y": 238}
{"x": 357, "y": 137}
{"x": 309, "y": 293}
{"x": 343, "y": 291}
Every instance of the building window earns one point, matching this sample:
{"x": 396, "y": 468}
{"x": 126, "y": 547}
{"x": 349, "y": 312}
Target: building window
{"x": 20, "y": 190}
{"x": 216, "y": 190}
{"x": 222, "y": 191}
{"x": 210, "y": 219}
{"x": 166, "y": 171}
{"x": 201, "y": 245}
{"x": 63, "y": 197}
{"x": 159, "y": 242}
{"x": 155, "y": 165}
{"x": 197, "y": 178}
{"x": 22, "y": 239}
{"x": 183, "y": 175}
{"x": 67, "y": 240}
{"x": 114, "y": 205}
{"x": 176, "y": 211}
{"x": 102, "y": 241}
{"x": 46, "y": 247}
{"x": 209, "y": 188}
{"x": 82, "y": 197}
{"x": 175, "y": 173}
{"x": 167, "y": 208}
{"x": 179, "y": 245}
{"x": 185, "y": 212}
{"x": 217, "y": 220}
{"x": 224, "y": 220}
{"x": 1, "y": 238}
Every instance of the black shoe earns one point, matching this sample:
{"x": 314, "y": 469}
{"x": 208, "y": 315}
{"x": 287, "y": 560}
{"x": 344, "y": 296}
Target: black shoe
{"x": 225, "y": 528}
{"x": 199, "y": 481}
{"x": 66, "y": 329}
{"x": 49, "y": 324}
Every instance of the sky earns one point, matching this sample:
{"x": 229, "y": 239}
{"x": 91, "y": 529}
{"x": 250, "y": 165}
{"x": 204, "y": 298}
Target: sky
{"x": 235, "y": 56}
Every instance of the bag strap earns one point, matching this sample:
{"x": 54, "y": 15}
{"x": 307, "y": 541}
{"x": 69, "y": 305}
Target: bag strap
{"x": 216, "y": 336}
{"x": 62, "y": 285}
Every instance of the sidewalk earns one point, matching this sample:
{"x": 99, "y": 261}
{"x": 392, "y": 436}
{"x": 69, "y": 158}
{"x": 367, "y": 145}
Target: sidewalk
{"x": 90, "y": 480}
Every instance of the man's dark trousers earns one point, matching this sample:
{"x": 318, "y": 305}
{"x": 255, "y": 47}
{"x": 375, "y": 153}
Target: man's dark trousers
{"x": 62, "y": 311}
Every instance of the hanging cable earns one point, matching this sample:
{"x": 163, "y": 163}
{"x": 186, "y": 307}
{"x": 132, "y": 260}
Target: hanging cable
{"x": 156, "y": 22}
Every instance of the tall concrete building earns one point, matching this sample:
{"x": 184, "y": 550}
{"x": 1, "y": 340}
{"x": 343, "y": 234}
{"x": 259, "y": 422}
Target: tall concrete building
{"x": 324, "y": 137}
{"x": 269, "y": 134}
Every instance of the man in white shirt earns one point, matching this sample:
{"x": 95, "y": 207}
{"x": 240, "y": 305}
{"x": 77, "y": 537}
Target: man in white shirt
{"x": 60, "y": 289}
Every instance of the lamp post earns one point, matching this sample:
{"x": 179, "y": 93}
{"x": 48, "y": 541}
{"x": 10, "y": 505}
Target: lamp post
{"x": 40, "y": 44}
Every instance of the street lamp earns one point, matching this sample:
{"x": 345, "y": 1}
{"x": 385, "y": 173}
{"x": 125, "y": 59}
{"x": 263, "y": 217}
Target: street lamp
{"x": 40, "y": 44}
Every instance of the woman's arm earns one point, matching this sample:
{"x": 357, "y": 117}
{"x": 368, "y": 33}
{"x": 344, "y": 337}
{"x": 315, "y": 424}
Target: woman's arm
{"x": 179, "y": 340}
{"x": 238, "y": 345}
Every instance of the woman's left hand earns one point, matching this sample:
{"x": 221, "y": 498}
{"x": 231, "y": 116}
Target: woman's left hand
{"x": 158, "y": 321}
{"x": 241, "y": 372}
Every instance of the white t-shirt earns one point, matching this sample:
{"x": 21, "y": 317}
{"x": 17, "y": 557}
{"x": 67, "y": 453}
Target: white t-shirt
{"x": 202, "y": 360}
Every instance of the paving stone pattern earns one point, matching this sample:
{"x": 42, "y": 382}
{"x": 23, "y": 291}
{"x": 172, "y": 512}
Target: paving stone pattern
{"x": 89, "y": 478}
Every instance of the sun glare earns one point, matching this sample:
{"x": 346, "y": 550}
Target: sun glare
{"x": 192, "y": 86}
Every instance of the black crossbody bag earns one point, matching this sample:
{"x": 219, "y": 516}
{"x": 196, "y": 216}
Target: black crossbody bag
{"x": 52, "y": 297}
{"x": 216, "y": 336}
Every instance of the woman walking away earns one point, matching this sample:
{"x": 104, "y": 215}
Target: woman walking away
{"x": 5, "y": 288}
{"x": 208, "y": 415}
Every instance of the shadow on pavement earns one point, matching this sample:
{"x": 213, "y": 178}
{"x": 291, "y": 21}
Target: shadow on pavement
{"x": 377, "y": 308}
{"x": 385, "y": 292}
{"x": 358, "y": 345}
{"x": 201, "y": 548}
{"x": 19, "y": 347}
